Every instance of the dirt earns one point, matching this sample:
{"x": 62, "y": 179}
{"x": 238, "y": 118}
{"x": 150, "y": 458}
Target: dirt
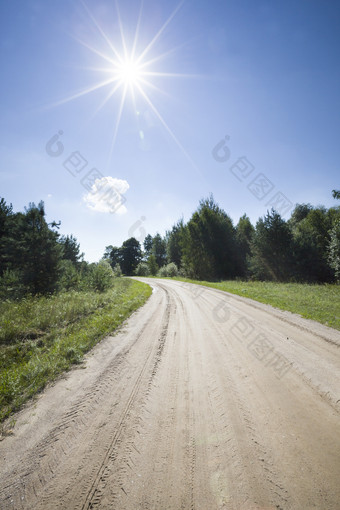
{"x": 202, "y": 401}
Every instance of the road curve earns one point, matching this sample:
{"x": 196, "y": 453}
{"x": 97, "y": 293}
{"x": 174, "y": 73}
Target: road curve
{"x": 202, "y": 401}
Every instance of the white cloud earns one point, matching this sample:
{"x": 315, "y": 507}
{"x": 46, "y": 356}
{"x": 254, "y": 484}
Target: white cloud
{"x": 106, "y": 195}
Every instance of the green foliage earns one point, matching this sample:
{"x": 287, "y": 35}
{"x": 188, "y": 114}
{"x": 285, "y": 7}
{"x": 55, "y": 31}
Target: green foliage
{"x": 159, "y": 250}
{"x": 71, "y": 249}
{"x": 117, "y": 272}
{"x": 310, "y": 229}
{"x": 101, "y": 276}
{"x": 32, "y": 317}
{"x": 6, "y": 212}
{"x": 113, "y": 255}
{"x": 334, "y": 250}
{"x": 142, "y": 269}
{"x": 152, "y": 264}
{"x": 175, "y": 238}
{"x": 244, "y": 235}
{"x": 11, "y": 286}
{"x": 271, "y": 249}
{"x": 209, "y": 243}
{"x": 170, "y": 270}
{"x": 130, "y": 256}
{"x": 209, "y": 247}
{"x": 127, "y": 257}
{"x": 69, "y": 276}
{"x": 148, "y": 243}
{"x": 31, "y": 249}
{"x": 40, "y": 337}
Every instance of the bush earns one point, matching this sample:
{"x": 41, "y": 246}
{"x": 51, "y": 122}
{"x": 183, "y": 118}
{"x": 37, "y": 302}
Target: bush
{"x": 102, "y": 276}
{"x": 142, "y": 269}
{"x": 170, "y": 270}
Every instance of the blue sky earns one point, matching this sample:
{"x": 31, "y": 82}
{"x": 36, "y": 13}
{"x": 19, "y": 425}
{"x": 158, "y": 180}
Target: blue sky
{"x": 264, "y": 73}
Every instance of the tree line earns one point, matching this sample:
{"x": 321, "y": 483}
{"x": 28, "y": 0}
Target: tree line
{"x": 305, "y": 248}
{"x": 35, "y": 259}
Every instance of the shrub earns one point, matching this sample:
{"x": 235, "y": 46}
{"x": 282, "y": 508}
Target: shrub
{"x": 142, "y": 269}
{"x": 168, "y": 270}
{"x": 102, "y": 276}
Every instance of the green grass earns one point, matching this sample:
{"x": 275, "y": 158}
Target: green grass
{"x": 318, "y": 302}
{"x": 42, "y": 337}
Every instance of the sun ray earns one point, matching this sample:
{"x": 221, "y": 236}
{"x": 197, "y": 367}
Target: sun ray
{"x": 130, "y": 70}
{"x": 161, "y": 56}
{"x": 119, "y": 116}
{"x": 170, "y": 75}
{"x": 159, "y": 33}
{"x": 165, "y": 125}
{"x": 154, "y": 87}
{"x": 121, "y": 31}
{"x": 94, "y": 69}
{"x": 108, "y": 96}
{"x": 109, "y": 42}
{"x": 94, "y": 50}
{"x": 137, "y": 31}
{"x": 97, "y": 86}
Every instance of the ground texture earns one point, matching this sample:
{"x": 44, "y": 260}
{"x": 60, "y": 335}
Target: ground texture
{"x": 202, "y": 401}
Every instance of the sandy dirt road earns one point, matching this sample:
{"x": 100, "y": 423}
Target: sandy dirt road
{"x": 202, "y": 401}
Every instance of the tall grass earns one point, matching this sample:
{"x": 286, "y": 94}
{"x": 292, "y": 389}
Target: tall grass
{"x": 42, "y": 337}
{"x": 32, "y": 317}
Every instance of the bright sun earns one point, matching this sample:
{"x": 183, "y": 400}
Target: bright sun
{"x": 128, "y": 72}
{"x": 129, "y": 69}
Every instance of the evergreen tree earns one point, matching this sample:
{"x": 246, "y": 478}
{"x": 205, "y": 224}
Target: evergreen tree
{"x": 71, "y": 249}
{"x": 148, "y": 243}
{"x": 6, "y": 212}
{"x": 209, "y": 243}
{"x": 311, "y": 238}
{"x": 174, "y": 243}
{"x": 244, "y": 235}
{"x": 33, "y": 249}
{"x": 159, "y": 250}
{"x": 272, "y": 249}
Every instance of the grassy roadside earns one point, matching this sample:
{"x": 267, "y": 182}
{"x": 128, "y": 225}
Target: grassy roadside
{"x": 318, "y": 302}
{"x": 42, "y": 337}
